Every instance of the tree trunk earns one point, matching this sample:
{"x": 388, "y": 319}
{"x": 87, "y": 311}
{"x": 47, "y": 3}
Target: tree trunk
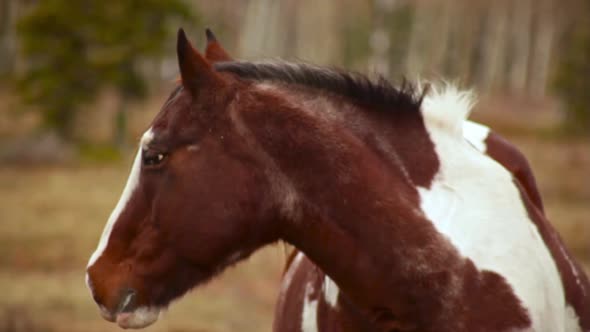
{"x": 520, "y": 33}
{"x": 62, "y": 120}
{"x": 261, "y": 30}
{"x": 462, "y": 44}
{"x": 415, "y": 61}
{"x": 493, "y": 50}
{"x": 379, "y": 38}
{"x": 121, "y": 120}
{"x": 439, "y": 41}
{"x": 317, "y": 29}
{"x": 542, "y": 47}
{"x": 8, "y": 11}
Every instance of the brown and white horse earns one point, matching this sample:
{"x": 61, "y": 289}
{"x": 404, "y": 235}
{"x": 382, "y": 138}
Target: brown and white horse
{"x": 415, "y": 227}
{"x": 323, "y": 309}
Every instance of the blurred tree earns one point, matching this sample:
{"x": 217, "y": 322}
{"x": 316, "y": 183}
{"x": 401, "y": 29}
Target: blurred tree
{"x": 74, "y": 48}
{"x": 7, "y": 10}
{"x": 572, "y": 81}
{"x": 355, "y": 35}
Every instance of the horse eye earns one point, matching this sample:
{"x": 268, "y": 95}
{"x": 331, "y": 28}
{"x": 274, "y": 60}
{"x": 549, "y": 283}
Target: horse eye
{"x": 152, "y": 158}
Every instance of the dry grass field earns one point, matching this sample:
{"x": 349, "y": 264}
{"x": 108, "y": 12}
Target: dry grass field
{"x": 51, "y": 218}
{"x": 50, "y": 223}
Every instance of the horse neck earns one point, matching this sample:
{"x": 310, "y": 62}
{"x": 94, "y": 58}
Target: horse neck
{"x": 355, "y": 214}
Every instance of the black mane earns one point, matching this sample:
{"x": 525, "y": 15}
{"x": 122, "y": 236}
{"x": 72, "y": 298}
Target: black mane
{"x": 379, "y": 93}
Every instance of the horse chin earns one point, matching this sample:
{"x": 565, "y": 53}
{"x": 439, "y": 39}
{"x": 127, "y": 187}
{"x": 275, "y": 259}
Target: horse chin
{"x": 139, "y": 318}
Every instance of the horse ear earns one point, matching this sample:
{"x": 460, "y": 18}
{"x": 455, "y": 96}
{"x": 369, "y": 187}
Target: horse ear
{"x": 195, "y": 72}
{"x": 214, "y": 51}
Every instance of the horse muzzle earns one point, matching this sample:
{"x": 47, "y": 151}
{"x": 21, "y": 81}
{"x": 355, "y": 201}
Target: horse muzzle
{"x": 128, "y": 315}
{"x": 138, "y": 318}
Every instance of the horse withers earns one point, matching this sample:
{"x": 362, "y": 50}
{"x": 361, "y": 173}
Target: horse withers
{"x": 376, "y": 185}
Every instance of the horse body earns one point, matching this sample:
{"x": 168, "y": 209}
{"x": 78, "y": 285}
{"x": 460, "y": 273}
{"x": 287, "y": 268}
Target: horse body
{"x": 341, "y": 315}
{"x": 416, "y": 228}
{"x": 334, "y": 312}
{"x": 444, "y": 204}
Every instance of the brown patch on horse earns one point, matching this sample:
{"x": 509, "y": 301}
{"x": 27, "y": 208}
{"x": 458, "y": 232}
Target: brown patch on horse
{"x": 575, "y": 281}
{"x": 516, "y": 163}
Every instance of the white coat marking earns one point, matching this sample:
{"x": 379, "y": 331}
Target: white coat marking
{"x": 446, "y": 108}
{"x": 288, "y": 278}
{"x": 572, "y": 323}
{"x": 490, "y": 225}
{"x": 309, "y": 315}
{"x": 331, "y": 292}
{"x": 476, "y": 134}
{"x": 132, "y": 182}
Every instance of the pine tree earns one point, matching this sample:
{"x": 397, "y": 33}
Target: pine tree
{"x": 74, "y": 48}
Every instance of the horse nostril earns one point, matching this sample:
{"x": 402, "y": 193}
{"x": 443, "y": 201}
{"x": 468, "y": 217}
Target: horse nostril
{"x": 128, "y": 300}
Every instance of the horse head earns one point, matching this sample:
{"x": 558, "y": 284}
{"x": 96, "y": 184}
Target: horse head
{"x": 196, "y": 200}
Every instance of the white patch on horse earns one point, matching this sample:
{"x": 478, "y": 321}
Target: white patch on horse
{"x": 288, "y": 278}
{"x": 447, "y": 108}
{"x": 146, "y": 139}
{"x": 572, "y": 323}
{"x": 132, "y": 182}
{"x": 309, "y": 315}
{"x": 476, "y": 134}
{"x": 440, "y": 201}
{"x": 331, "y": 292}
{"x": 487, "y": 220}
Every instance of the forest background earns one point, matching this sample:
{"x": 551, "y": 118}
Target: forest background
{"x": 80, "y": 81}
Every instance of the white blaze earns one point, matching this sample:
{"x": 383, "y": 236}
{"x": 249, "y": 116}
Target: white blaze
{"x": 132, "y": 182}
